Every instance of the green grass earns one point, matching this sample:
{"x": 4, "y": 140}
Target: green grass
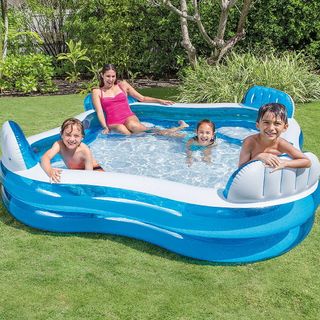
{"x": 91, "y": 276}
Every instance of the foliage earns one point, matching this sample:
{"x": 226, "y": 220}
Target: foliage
{"x": 74, "y": 56}
{"x": 132, "y": 34}
{"x": 220, "y": 44}
{"x": 90, "y": 276}
{"x": 27, "y": 73}
{"x": 47, "y": 18}
{"x": 143, "y": 39}
{"x": 284, "y": 25}
{"x": 289, "y": 72}
{"x": 21, "y": 40}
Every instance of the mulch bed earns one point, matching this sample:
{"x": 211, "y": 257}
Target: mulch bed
{"x": 64, "y": 87}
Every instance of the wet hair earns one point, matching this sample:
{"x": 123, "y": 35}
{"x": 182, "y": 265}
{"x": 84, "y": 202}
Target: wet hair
{"x": 104, "y": 69}
{"x": 277, "y": 109}
{"x": 72, "y": 122}
{"x": 209, "y": 122}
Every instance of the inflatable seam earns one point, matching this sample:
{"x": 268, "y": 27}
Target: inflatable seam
{"x": 309, "y": 176}
{"x": 281, "y": 180}
{"x": 264, "y": 182}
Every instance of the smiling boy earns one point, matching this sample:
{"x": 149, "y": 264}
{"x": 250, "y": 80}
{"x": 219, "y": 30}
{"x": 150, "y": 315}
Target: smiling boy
{"x": 267, "y": 145}
{"x": 74, "y": 153}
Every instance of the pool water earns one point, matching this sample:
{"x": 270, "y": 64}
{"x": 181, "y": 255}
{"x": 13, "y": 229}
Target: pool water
{"x": 165, "y": 158}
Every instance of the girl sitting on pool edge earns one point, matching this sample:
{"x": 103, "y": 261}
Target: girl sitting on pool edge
{"x": 74, "y": 153}
{"x": 204, "y": 139}
{"x": 111, "y": 103}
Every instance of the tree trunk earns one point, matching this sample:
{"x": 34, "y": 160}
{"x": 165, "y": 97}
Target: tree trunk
{"x": 186, "y": 42}
{"x": 4, "y": 12}
{"x": 219, "y": 45}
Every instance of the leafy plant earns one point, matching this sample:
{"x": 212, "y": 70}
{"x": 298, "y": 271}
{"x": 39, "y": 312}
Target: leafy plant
{"x": 133, "y": 75}
{"x": 27, "y": 73}
{"x": 75, "y": 54}
{"x": 289, "y": 72}
{"x": 88, "y": 86}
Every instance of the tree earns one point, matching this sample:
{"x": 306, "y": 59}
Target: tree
{"x": 4, "y": 15}
{"x": 218, "y": 44}
{"x": 47, "y": 18}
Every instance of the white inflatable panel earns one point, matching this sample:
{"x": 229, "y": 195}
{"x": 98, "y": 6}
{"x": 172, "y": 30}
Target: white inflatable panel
{"x": 12, "y": 157}
{"x": 254, "y": 182}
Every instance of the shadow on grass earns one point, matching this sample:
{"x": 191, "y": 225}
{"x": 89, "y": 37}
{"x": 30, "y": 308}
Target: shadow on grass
{"x": 136, "y": 244}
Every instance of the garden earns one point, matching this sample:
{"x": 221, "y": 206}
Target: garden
{"x": 48, "y": 275}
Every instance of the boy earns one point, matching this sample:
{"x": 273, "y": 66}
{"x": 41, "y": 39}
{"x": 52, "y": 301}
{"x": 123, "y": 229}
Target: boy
{"x": 75, "y": 154}
{"x": 267, "y": 145}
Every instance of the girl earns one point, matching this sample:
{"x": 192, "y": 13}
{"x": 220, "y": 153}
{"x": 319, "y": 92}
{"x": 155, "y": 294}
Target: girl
{"x": 75, "y": 154}
{"x": 204, "y": 139}
{"x": 111, "y": 103}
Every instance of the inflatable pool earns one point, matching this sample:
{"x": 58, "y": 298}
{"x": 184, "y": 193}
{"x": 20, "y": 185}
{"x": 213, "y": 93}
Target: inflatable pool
{"x": 255, "y": 216}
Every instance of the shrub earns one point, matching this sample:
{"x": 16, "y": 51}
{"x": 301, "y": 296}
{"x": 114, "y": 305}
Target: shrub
{"x": 27, "y": 73}
{"x": 289, "y": 72}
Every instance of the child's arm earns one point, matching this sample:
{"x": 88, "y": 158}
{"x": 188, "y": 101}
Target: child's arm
{"x": 88, "y": 159}
{"x": 245, "y": 152}
{"x": 53, "y": 173}
{"x": 299, "y": 159}
{"x": 207, "y": 154}
{"x": 97, "y": 105}
{"x": 189, "y": 151}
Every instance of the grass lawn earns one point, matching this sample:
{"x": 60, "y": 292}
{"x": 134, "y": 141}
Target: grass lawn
{"x": 91, "y": 276}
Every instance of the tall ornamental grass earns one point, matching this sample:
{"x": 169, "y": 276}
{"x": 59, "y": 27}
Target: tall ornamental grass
{"x": 228, "y": 81}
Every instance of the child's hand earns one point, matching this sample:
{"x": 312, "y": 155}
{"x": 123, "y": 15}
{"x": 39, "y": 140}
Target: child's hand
{"x": 207, "y": 159}
{"x": 282, "y": 165}
{"x": 189, "y": 161}
{"x": 55, "y": 175}
{"x": 269, "y": 159}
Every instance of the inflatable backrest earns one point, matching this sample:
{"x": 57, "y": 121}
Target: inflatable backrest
{"x": 16, "y": 151}
{"x": 88, "y": 105}
{"x": 293, "y": 134}
{"x": 254, "y": 182}
{"x": 257, "y": 96}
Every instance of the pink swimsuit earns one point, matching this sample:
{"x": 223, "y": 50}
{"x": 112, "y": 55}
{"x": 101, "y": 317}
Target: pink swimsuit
{"x": 116, "y": 109}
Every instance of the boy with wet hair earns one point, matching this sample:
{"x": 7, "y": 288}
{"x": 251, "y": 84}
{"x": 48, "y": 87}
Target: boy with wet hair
{"x": 267, "y": 145}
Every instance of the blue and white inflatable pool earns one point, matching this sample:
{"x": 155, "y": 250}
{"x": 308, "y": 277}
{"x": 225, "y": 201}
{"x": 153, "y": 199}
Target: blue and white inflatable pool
{"x": 255, "y": 216}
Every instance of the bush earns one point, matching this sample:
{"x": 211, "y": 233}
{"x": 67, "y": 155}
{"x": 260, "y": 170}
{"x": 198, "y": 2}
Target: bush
{"x": 27, "y": 73}
{"x": 289, "y": 72}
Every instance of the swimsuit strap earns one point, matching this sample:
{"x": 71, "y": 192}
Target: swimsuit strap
{"x": 119, "y": 85}
{"x": 121, "y": 88}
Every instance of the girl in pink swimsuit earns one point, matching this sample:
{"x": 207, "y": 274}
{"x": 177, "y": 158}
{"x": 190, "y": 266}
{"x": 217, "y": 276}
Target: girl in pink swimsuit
{"x": 111, "y": 104}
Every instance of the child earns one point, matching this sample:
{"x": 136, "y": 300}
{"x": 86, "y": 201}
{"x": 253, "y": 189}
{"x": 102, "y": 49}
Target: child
{"x": 75, "y": 154}
{"x": 267, "y": 145}
{"x": 205, "y": 138}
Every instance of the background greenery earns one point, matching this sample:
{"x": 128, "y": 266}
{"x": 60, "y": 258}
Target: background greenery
{"x": 288, "y": 72}
{"x": 143, "y": 38}
{"x": 90, "y": 276}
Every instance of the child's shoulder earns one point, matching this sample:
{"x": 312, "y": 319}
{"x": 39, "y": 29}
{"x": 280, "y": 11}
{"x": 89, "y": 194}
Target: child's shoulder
{"x": 84, "y": 148}
{"x": 251, "y": 141}
{"x": 252, "y": 137}
{"x": 191, "y": 139}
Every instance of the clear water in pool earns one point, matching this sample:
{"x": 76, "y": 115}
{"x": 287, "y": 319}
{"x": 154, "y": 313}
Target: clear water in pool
{"x": 164, "y": 157}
